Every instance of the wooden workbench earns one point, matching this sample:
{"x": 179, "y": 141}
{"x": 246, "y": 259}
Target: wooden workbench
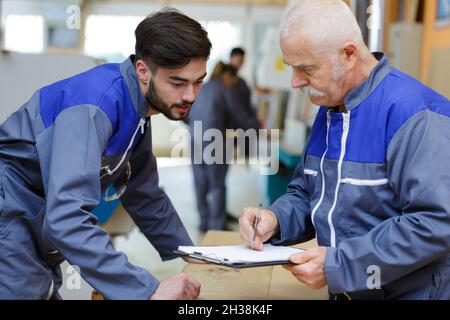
{"x": 262, "y": 283}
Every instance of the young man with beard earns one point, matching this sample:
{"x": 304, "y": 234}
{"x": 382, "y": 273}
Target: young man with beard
{"x": 74, "y": 138}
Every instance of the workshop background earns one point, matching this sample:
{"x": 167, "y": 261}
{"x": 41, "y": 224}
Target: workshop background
{"x": 45, "y": 41}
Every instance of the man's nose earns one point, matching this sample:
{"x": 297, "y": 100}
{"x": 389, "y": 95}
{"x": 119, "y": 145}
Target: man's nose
{"x": 298, "y": 81}
{"x": 189, "y": 94}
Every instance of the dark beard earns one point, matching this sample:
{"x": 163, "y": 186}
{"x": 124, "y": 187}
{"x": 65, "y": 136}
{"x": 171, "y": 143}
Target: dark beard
{"x": 156, "y": 103}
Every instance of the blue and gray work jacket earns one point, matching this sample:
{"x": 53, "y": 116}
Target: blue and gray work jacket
{"x": 374, "y": 187}
{"x": 58, "y": 154}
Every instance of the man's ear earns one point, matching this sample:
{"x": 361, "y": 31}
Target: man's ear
{"x": 143, "y": 72}
{"x": 348, "y": 55}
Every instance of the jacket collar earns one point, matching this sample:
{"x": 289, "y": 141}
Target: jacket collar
{"x": 129, "y": 74}
{"x": 360, "y": 93}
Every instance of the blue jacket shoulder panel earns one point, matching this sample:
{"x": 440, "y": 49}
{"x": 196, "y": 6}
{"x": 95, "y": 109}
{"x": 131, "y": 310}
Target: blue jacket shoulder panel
{"x": 102, "y": 86}
{"x": 87, "y": 88}
{"x": 377, "y": 119}
{"x": 126, "y": 117}
{"x": 410, "y": 98}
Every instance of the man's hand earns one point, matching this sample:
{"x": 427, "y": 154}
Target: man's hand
{"x": 309, "y": 267}
{"x": 267, "y": 227}
{"x": 177, "y": 287}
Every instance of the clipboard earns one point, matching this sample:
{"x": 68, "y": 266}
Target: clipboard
{"x": 231, "y": 264}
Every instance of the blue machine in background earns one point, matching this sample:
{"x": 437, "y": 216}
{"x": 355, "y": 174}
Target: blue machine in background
{"x": 277, "y": 184}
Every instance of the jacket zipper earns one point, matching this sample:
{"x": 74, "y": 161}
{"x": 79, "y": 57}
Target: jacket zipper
{"x": 346, "y": 127}
{"x": 322, "y": 193}
{"x": 130, "y": 145}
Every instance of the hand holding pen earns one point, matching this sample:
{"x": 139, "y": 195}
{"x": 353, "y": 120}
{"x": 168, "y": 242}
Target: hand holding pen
{"x": 257, "y": 225}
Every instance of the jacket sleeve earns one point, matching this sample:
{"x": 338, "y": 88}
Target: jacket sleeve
{"x": 70, "y": 156}
{"x": 293, "y": 212}
{"x": 149, "y": 206}
{"x": 417, "y": 166}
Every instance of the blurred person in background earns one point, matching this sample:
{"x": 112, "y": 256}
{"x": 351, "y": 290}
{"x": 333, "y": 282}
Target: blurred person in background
{"x": 217, "y": 107}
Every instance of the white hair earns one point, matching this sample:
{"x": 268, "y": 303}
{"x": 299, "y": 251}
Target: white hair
{"x": 328, "y": 24}
{"x": 312, "y": 92}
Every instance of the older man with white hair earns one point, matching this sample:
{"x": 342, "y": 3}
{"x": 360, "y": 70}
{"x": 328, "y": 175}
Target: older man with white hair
{"x": 374, "y": 184}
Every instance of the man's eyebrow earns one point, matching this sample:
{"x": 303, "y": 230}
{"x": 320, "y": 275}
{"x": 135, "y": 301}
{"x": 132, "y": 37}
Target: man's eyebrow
{"x": 177, "y": 78}
{"x": 300, "y": 66}
{"x": 202, "y": 77}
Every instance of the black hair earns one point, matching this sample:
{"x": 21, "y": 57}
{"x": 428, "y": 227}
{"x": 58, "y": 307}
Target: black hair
{"x": 237, "y": 51}
{"x": 170, "y": 39}
{"x": 220, "y": 68}
{"x": 228, "y": 68}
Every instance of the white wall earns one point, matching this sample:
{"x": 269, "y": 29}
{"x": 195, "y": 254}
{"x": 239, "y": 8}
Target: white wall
{"x": 22, "y": 74}
{"x": 247, "y": 16}
{"x": 51, "y": 10}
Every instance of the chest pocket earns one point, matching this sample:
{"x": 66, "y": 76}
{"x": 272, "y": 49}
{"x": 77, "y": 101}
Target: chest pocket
{"x": 312, "y": 185}
{"x": 364, "y": 204}
{"x": 310, "y": 180}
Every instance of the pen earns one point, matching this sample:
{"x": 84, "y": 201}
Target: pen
{"x": 258, "y": 218}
